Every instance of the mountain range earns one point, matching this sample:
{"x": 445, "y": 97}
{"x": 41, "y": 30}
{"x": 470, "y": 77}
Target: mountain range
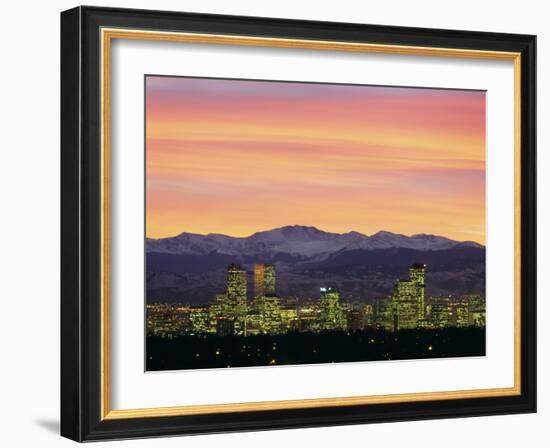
{"x": 191, "y": 267}
{"x": 297, "y": 241}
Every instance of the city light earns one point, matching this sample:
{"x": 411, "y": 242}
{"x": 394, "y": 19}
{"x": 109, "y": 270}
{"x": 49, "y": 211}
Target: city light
{"x": 406, "y": 308}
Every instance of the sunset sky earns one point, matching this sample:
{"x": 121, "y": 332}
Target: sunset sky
{"x": 236, "y": 157}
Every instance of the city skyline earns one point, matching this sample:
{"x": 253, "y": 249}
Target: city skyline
{"x": 231, "y": 313}
{"x": 236, "y": 157}
{"x": 191, "y": 266}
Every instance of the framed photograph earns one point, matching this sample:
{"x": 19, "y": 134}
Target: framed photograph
{"x": 273, "y": 223}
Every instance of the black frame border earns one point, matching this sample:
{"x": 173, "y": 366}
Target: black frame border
{"x": 81, "y": 223}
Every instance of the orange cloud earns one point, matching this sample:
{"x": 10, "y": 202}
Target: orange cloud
{"x": 236, "y": 157}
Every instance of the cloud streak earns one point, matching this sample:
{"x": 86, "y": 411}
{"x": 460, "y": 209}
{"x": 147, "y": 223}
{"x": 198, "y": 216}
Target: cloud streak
{"x": 236, "y": 157}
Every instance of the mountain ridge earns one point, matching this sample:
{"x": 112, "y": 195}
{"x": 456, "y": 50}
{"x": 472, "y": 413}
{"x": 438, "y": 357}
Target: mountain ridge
{"x": 192, "y": 268}
{"x": 298, "y": 240}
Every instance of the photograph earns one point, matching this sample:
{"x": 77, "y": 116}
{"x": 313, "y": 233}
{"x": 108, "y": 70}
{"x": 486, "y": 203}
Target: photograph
{"x": 306, "y": 223}
{"x": 291, "y": 221}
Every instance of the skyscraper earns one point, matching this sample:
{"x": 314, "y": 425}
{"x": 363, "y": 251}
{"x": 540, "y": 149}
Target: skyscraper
{"x": 236, "y": 290}
{"x": 356, "y": 317}
{"x": 332, "y": 315}
{"x": 417, "y": 274}
{"x": 383, "y": 313}
{"x": 409, "y": 298}
{"x": 440, "y": 312}
{"x": 269, "y": 280}
{"x": 271, "y": 315}
{"x": 405, "y": 302}
{"x": 259, "y": 280}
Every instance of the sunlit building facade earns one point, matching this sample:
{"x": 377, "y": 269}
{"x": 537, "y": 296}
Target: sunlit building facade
{"x": 259, "y": 280}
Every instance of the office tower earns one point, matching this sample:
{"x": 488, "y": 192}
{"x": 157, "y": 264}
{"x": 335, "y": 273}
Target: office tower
{"x": 368, "y": 313}
{"x": 264, "y": 284}
{"x": 356, "y": 317}
{"x": 459, "y": 313}
{"x": 417, "y": 275}
{"x": 405, "y": 303}
{"x": 383, "y": 313}
{"x": 269, "y": 280}
{"x": 259, "y": 280}
{"x": 236, "y": 291}
{"x": 332, "y": 315}
{"x": 409, "y": 298}
{"x": 220, "y": 311}
{"x": 440, "y": 312}
{"x": 271, "y": 315}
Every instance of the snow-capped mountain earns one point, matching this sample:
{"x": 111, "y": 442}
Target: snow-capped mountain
{"x": 297, "y": 241}
{"x": 192, "y": 268}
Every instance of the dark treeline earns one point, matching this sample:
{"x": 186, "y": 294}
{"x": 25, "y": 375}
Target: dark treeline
{"x": 212, "y": 351}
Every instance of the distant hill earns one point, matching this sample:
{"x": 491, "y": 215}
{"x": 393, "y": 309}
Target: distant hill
{"x": 191, "y": 267}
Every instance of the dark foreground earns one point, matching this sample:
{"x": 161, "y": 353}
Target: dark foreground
{"x": 212, "y": 351}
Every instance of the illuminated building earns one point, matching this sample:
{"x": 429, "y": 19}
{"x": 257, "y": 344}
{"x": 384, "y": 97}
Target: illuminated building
{"x": 476, "y": 311}
{"x": 259, "y": 280}
{"x": 409, "y": 298}
{"x": 405, "y": 304}
{"x": 271, "y": 315}
{"x": 308, "y": 318}
{"x": 406, "y": 308}
{"x": 289, "y": 318}
{"x": 417, "y": 275}
{"x": 253, "y": 324}
{"x": 459, "y": 314}
{"x": 440, "y": 312}
{"x": 368, "y": 313}
{"x": 199, "y": 317}
{"x": 228, "y": 313}
{"x": 222, "y": 316}
{"x": 236, "y": 291}
{"x": 165, "y": 320}
{"x": 332, "y": 316}
{"x": 269, "y": 280}
{"x": 424, "y": 323}
{"x": 356, "y": 317}
{"x": 225, "y": 327}
{"x": 266, "y": 315}
{"x": 383, "y": 313}
{"x": 264, "y": 284}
